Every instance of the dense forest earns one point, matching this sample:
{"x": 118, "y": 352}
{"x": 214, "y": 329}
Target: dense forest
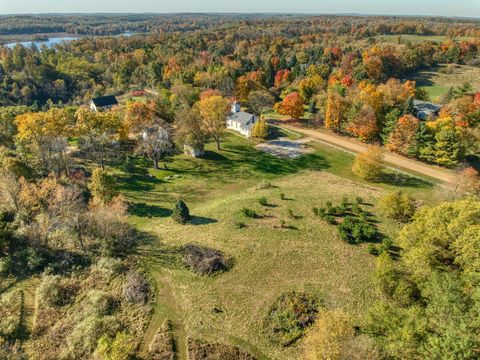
{"x": 64, "y": 223}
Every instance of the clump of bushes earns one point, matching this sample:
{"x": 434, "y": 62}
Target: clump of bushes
{"x": 55, "y": 291}
{"x": 237, "y": 224}
{"x": 204, "y": 260}
{"x": 249, "y": 213}
{"x": 181, "y": 214}
{"x": 135, "y": 290}
{"x": 355, "y": 231}
{"x": 163, "y": 345}
{"x": 289, "y": 317}
{"x": 201, "y": 350}
{"x": 263, "y": 201}
{"x": 398, "y": 206}
{"x": 10, "y": 313}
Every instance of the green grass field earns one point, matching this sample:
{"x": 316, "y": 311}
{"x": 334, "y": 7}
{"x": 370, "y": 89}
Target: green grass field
{"x": 437, "y": 82}
{"x": 269, "y": 260}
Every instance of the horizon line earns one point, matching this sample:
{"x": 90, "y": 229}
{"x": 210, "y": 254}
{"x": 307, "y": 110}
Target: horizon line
{"x": 477, "y": 17}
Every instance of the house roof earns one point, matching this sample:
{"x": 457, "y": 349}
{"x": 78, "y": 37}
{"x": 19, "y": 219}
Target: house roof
{"x": 244, "y": 119}
{"x": 426, "y": 106}
{"x": 105, "y": 101}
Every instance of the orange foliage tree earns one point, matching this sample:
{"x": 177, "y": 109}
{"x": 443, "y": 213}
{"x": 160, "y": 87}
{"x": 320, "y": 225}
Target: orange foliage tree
{"x": 364, "y": 125}
{"x": 334, "y": 110}
{"x": 403, "y": 137}
{"x": 139, "y": 115}
{"x": 292, "y": 105}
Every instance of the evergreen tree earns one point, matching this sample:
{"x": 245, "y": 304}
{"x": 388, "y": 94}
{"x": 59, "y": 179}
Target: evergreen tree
{"x": 181, "y": 214}
{"x": 390, "y": 124}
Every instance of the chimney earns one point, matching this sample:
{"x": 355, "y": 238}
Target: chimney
{"x": 235, "y": 107}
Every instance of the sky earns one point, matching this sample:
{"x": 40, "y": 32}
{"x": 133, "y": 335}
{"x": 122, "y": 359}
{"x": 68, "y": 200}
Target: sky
{"x": 470, "y": 8}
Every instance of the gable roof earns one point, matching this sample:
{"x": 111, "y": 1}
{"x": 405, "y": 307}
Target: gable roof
{"x": 105, "y": 101}
{"x": 241, "y": 117}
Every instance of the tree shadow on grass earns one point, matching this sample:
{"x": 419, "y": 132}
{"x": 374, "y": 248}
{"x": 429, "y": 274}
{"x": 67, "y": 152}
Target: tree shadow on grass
{"x": 200, "y": 220}
{"x": 138, "y": 182}
{"x": 404, "y": 180}
{"x": 157, "y": 254}
{"x": 147, "y": 210}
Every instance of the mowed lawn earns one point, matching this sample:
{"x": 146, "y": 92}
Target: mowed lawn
{"x": 268, "y": 259}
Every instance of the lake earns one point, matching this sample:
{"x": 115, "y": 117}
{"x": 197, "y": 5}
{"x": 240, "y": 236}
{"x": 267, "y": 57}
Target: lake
{"x": 51, "y": 42}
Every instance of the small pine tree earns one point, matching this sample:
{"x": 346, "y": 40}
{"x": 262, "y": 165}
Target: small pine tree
{"x": 181, "y": 214}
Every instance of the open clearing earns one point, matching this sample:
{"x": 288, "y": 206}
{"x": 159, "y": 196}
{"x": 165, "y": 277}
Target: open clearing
{"x": 269, "y": 259}
{"x": 437, "y": 82}
{"x": 417, "y": 38}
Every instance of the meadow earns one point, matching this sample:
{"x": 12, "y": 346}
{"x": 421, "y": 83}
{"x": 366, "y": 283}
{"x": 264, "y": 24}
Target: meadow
{"x": 286, "y": 248}
{"x": 437, "y": 81}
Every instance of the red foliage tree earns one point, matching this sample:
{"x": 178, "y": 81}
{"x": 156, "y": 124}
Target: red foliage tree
{"x": 292, "y": 106}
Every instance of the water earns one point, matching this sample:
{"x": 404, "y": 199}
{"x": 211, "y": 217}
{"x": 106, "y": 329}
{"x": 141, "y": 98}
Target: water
{"x": 51, "y": 42}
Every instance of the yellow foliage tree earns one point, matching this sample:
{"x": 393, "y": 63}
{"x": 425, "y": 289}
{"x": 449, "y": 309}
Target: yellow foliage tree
{"x": 369, "y": 165}
{"x": 333, "y": 338}
{"x": 260, "y": 129}
{"x": 214, "y": 110}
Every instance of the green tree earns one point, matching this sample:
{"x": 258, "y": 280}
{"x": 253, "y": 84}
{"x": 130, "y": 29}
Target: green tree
{"x": 181, "y": 214}
{"x": 397, "y": 205}
{"x": 103, "y": 187}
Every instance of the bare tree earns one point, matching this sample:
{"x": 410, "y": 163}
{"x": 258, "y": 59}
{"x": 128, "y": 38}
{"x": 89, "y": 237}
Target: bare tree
{"x": 154, "y": 143}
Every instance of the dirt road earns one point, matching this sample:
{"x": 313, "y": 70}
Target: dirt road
{"x": 391, "y": 158}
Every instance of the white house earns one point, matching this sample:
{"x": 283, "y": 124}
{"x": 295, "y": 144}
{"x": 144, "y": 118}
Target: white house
{"x": 240, "y": 121}
{"x": 103, "y": 103}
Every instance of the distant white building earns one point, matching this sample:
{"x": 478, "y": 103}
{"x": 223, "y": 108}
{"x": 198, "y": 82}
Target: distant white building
{"x": 103, "y": 103}
{"x": 240, "y": 121}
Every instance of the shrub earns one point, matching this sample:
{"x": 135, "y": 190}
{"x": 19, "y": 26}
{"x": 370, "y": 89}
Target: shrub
{"x": 98, "y": 302}
{"x": 373, "y": 250}
{"x": 202, "y": 350}
{"x": 122, "y": 347}
{"x": 398, "y": 206}
{"x": 163, "y": 345}
{"x": 358, "y": 200}
{"x": 82, "y": 341}
{"x": 344, "y": 205}
{"x": 369, "y": 165}
{"x": 5, "y": 265}
{"x": 54, "y": 291}
{"x": 249, "y": 213}
{"x": 205, "y": 261}
{"x": 237, "y": 224}
{"x": 135, "y": 290}
{"x": 289, "y": 316}
{"x": 282, "y": 196}
{"x": 354, "y": 231}
{"x": 181, "y": 214}
{"x": 331, "y": 219}
{"x": 10, "y": 313}
{"x": 263, "y": 201}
